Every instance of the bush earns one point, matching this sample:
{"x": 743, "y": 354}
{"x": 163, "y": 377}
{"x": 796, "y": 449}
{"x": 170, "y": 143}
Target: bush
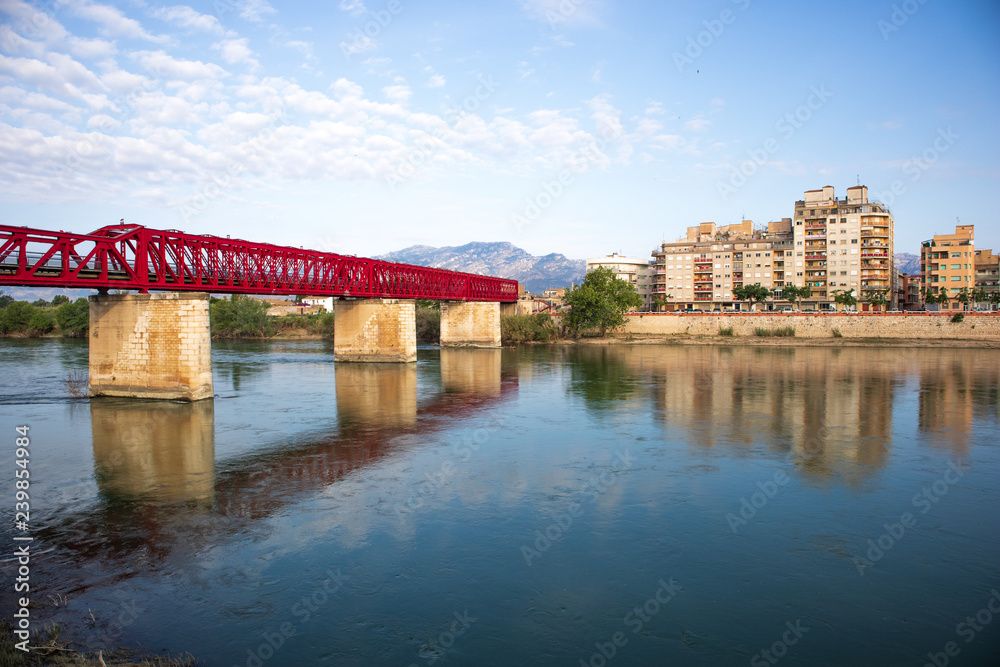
{"x": 836, "y": 333}
{"x": 428, "y": 322}
{"x": 726, "y": 331}
{"x": 240, "y": 317}
{"x": 73, "y": 317}
{"x": 319, "y": 324}
{"x": 776, "y": 332}
{"x": 16, "y": 317}
{"x": 527, "y": 328}
{"x": 40, "y": 323}
{"x": 59, "y": 299}
{"x": 958, "y": 317}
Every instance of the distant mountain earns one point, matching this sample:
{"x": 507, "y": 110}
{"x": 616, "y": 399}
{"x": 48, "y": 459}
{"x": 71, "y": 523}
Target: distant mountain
{"x": 907, "y": 262}
{"x": 501, "y": 259}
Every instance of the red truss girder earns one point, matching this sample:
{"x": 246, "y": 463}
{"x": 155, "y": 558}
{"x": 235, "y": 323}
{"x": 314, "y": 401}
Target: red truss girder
{"x": 133, "y": 257}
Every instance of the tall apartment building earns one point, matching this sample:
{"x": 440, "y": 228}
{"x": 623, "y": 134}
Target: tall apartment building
{"x": 701, "y": 269}
{"x": 831, "y": 244}
{"x": 842, "y": 244}
{"x": 948, "y": 264}
{"x": 636, "y": 272}
{"x": 987, "y": 271}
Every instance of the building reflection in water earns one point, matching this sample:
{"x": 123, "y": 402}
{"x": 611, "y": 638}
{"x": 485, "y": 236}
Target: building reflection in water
{"x": 952, "y": 393}
{"x": 158, "y": 450}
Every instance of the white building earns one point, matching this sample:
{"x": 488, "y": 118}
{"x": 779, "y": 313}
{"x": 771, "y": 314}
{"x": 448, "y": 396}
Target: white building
{"x": 636, "y": 272}
{"x": 326, "y": 303}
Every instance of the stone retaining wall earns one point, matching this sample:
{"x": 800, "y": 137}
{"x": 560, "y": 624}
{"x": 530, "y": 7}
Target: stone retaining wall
{"x": 810, "y": 325}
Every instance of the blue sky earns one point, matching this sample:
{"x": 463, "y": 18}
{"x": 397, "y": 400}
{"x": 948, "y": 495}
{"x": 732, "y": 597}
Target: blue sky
{"x": 573, "y": 126}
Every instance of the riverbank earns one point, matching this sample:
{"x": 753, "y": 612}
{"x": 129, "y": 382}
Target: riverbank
{"x": 755, "y": 341}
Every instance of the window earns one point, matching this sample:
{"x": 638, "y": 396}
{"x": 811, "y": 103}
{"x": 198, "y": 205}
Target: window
{"x": 955, "y": 267}
{"x": 854, "y": 240}
{"x": 956, "y": 254}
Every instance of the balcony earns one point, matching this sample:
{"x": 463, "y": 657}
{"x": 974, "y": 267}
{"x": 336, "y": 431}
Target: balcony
{"x": 815, "y": 236}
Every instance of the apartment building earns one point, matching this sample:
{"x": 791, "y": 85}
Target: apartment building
{"x": 948, "y": 264}
{"x": 636, "y": 272}
{"x": 841, "y": 244}
{"x": 910, "y": 297}
{"x": 701, "y": 269}
{"x": 987, "y": 272}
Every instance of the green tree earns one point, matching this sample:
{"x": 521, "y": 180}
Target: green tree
{"x": 600, "y": 302}
{"x": 6, "y": 300}
{"x": 16, "y": 317}
{"x": 994, "y": 298}
{"x": 964, "y": 296}
{"x": 59, "y": 299}
{"x": 845, "y": 298}
{"x": 73, "y": 317}
{"x": 791, "y": 293}
{"x": 750, "y": 293}
{"x": 877, "y": 297}
{"x": 979, "y": 295}
{"x": 240, "y": 317}
{"x": 660, "y": 301}
{"x": 40, "y": 323}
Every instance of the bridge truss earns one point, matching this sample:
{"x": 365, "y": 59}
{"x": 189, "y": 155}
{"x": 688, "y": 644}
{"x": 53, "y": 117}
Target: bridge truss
{"x": 133, "y": 257}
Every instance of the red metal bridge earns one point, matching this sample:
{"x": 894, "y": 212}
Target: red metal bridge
{"x": 133, "y": 257}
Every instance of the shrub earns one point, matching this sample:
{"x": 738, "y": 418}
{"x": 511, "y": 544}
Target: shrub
{"x": 40, "y": 323}
{"x": 73, "y": 317}
{"x": 958, "y": 317}
{"x": 428, "y": 323}
{"x": 836, "y": 333}
{"x": 775, "y": 332}
{"x": 16, "y": 317}
{"x": 527, "y": 328}
{"x": 725, "y": 331}
{"x": 240, "y": 317}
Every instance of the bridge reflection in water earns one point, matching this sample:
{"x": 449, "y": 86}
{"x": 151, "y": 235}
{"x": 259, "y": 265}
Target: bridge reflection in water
{"x": 163, "y": 495}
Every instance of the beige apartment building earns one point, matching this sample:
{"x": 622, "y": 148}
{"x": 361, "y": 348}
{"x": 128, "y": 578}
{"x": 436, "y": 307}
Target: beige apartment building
{"x": 987, "y": 272}
{"x": 948, "y": 264}
{"x": 842, "y": 244}
{"x": 701, "y": 269}
{"x": 830, "y": 244}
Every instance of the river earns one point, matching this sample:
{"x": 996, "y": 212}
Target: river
{"x": 546, "y": 505}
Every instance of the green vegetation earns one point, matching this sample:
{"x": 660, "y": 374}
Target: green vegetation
{"x": 845, "y": 298}
{"x": 836, "y": 333}
{"x": 48, "y": 647}
{"x": 318, "y": 324}
{"x": 73, "y": 317}
{"x": 726, "y": 331}
{"x": 775, "y": 332}
{"x": 240, "y": 317}
{"x": 958, "y": 317}
{"x": 599, "y": 303}
{"x": 877, "y": 297}
{"x": 527, "y": 328}
{"x": 428, "y": 316}
{"x": 792, "y": 294}
{"x": 751, "y": 293}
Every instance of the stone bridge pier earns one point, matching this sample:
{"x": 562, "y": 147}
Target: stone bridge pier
{"x": 470, "y": 324}
{"x": 151, "y": 346}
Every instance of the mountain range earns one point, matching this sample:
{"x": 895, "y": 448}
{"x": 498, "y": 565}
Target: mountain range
{"x": 501, "y": 259}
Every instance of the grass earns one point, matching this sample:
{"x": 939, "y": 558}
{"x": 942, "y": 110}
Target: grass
{"x": 726, "y": 331}
{"x": 527, "y": 328}
{"x": 47, "y": 647}
{"x": 836, "y": 333}
{"x": 775, "y": 332}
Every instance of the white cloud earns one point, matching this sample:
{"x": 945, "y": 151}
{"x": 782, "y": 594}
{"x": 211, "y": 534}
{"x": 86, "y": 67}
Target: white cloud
{"x": 697, "y": 124}
{"x": 399, "y": 93}
{"x": 354, "y": 7}
{"x": 186, "y": 17}
{"x": 112, "y": 23}
{"x": 163, "y": 65}
{"x": 236, "y": 51}
{"x": 436, "y": 81}
{"x": 254, "y": 10}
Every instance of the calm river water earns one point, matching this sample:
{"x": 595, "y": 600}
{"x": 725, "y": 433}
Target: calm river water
{"x": 647, "y": 505}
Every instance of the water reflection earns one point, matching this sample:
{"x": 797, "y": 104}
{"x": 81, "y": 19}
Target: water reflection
{"x": 379, "y": 394}
{"x": 471, "y": 370}
{"x": 154, "y": 449}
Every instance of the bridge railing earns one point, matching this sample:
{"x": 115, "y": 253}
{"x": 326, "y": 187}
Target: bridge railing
{"x": 135, "y": 257}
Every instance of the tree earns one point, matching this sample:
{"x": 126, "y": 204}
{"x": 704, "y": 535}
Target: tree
{"x": 240, "y": 317}
{"x": 964, "y": 296}
{"x": 994, "y": 298}
{"x": 877, "y": 297}
{"x": 791, "y": 293}
{"x": 6, "y": 300}
{"x": 59, "y": 299}
{"x": 73, "y": 317}
{"x": 600, "y": 302}
{"x": 660, "y": 300}
{"x": 16, "y": 316}
{"x": 979, "y": 295}
{"x": 845, "y": 298}
{"x": 750, "y": 293}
